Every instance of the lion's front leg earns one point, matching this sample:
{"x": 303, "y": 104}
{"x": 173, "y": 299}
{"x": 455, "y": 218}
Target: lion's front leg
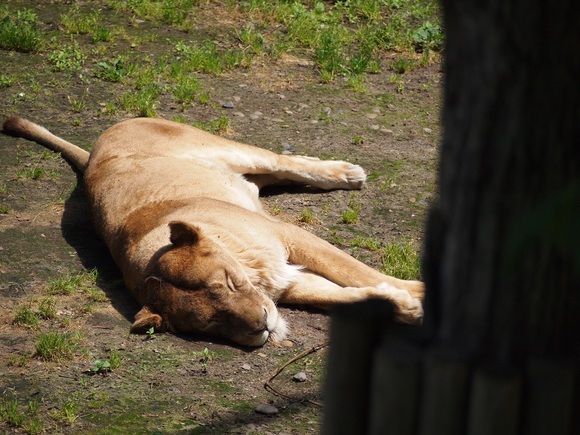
{"x": 314, "y": 290}
{"x": 326, "y": 260}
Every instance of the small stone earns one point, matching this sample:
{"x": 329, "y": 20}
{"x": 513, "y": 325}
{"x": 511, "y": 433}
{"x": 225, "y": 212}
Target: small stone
{"x": 287, "y": 343}
{"x": 287, "y": 147}
{"x": 300, "y": 377}
{"x": 228, "y": 105}
{"x": 375, "y": 127}
{"x": 246, "y": 367}
{"x": 266, "y": 409}
{"x": 256, "y": 115}
{"x": 427, "y": 130}
{"x": 371, "y": 115}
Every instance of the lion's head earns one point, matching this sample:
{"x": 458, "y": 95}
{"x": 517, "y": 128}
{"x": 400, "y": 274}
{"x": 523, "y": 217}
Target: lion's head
{"x": 197, "y": 286}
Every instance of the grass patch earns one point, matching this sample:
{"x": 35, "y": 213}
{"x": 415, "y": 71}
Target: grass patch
{"x": 173, "y": 12}
{"x": 307, "y": 216}
{"x": 79, "y": 22}
{"x": 10, "y": 412}
{"x": 19, "y": 30}
{"x": 352, "y": 213}
{"x": 6, "y": 81}
{"x": 67, "y": 57}
{"x": 68, "y": 412}
{"x": 143, "y": 101}
{"x": 252, "y": 39}
{"x": 66, "y": 285}
{"x": 186, "y": 89}
{"x": 401, "y": 260}
{"x": 33, "y": 172}
{"x": 27, "y": 317}
{"x": 216, "y": 126}
{"x": 47, "y": 308}
{"x": 54, "y": 346}
{"x": 207, "y": 58}
{"x": 113, "y": 71}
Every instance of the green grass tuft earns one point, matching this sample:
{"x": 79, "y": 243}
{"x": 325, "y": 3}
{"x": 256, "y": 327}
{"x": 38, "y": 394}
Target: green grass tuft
{"x": 54, "y": 346}
{"x": 401, "y": 260}
{"x": 19, "y": 30}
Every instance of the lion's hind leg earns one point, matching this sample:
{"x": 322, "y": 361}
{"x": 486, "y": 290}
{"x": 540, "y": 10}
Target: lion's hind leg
{"x": 322, "y": 174}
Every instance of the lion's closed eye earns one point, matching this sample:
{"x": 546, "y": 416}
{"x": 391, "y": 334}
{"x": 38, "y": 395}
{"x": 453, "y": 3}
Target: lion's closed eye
{"x": 230, "y": 283}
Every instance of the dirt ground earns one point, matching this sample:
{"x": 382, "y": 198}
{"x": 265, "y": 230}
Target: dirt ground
{"x": 185, "y": 384}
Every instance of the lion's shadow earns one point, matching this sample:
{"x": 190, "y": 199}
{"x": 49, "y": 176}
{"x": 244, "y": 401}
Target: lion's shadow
{"x": 79, "y": 232}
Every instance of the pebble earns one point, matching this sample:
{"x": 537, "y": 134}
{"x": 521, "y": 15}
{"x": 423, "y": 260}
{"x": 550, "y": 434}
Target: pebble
{"x": 256, "y": 115}
{"x": 246, "y": 367}
{"x": 287, "y": 343}
{"x": 287, "y": 147}
{"x": 266, "y": 409}
{"x": 300, "y": 377}
{"x": 228, "y": 105}
{"x": 427, "y": 130}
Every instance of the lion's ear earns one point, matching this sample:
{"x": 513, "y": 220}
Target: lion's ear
{"x": 183, "y": 233}
{"x": 146, "y": 319}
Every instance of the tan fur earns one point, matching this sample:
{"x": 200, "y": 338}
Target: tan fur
{"x": 180, "y": 212}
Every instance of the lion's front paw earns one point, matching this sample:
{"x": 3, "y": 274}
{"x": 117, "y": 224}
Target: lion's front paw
{"x": 407, "y": 308}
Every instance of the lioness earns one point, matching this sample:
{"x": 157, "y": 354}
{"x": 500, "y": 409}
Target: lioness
{"x": 180, "y": 212}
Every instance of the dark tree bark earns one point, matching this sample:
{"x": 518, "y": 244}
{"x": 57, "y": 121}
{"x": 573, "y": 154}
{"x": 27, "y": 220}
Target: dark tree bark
{"x": 503, "y": 243}
{"x": 499, "y": 349}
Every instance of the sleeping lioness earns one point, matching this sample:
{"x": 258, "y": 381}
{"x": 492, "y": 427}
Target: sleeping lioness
{"x": 180, "y": 212}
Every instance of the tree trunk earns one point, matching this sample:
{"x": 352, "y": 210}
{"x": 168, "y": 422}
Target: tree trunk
{"x": 503, "y": 243}
{"x": 499, "y": 349}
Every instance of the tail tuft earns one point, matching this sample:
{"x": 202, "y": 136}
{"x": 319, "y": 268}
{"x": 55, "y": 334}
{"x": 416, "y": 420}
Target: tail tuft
{"x": 13, "y": 126}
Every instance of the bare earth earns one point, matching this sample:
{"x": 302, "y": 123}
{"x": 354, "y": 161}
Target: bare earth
{"x": 165, "y": 384}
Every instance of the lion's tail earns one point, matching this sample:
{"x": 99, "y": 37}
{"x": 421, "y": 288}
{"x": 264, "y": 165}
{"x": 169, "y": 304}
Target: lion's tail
{"x": 19, "y": 127}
